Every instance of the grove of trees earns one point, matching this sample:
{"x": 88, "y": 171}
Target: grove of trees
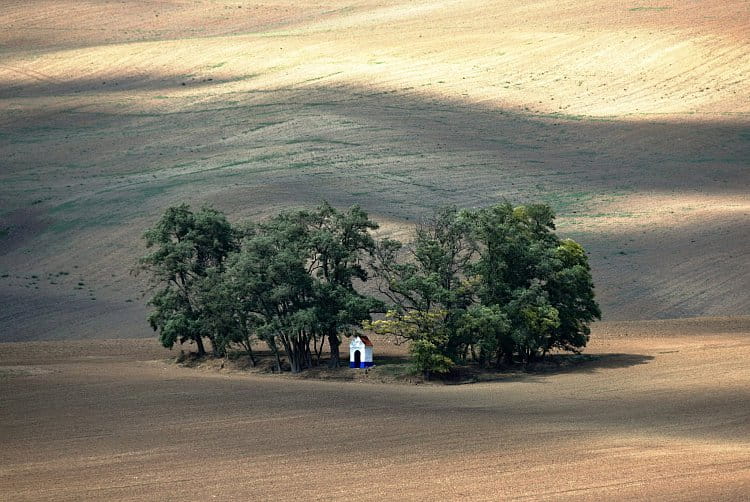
{"x": 491, "y": 286}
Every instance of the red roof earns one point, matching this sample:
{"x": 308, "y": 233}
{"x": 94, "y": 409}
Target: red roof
{"x": 366, "y": 340}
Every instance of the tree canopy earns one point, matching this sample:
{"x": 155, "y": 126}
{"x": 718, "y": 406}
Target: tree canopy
{"x": 494, "y": 285}
{"x": 187, "y": 246}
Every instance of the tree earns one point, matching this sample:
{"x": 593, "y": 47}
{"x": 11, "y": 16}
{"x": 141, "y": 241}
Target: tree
{"x": 496, "y": 282}
{"x": 272, "y": 286}
{"x": 488, "y": 330}
{"x": 429, "y": 290}
{"x": 542, "y": 283}
{"x": 187, "y": 245}
{"x": 229, "y": 320}
{"x": 571, "y": 292}
{"x": 338, "y": 243}
{"x": 533, "y": 321}
{"x": 427, "y": 333}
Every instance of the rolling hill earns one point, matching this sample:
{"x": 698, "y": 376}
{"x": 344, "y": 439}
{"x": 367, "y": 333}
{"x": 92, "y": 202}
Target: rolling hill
{"x": 631, "y": 119}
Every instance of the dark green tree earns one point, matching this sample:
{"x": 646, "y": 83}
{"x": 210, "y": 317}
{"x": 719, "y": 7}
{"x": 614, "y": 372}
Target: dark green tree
{"x": 571, "y": 291}
{"x": 486, "y": 331}
{"x": 501, "y": 283}
{"x": 271, "y": 283}
{"x": 231, "y": 323}
{"x": 428, "y": 288}
{"x": 495, "y": 283}
{"x": 339, "y": 242}
{"x": 186, "y": 246}
{"x": 542, "y": 283}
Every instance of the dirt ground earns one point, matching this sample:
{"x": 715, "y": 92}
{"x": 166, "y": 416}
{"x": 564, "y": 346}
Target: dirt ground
{"x": 661, "y": 414}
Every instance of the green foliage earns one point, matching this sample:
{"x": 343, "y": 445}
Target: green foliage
{"x": 533, "y": 321}
{"x": 187, "y": 246}
{"x": 337, "y": 243}
{"x": 410, "y": 325}
{"x": 571, "y": 291}
{"x": 427, "y": 358}
{"x": 426, "y": 332}
{"x": 230, "y": 323}
{"x": 271, "y": 285}
{"x": 288, "y": 281}
{"x": 504, "y": 285}
{"x": 494, "y": 284}
{"x": 542, "y": 283}
{"x": 430, "y": 289}
{"x": 488, "y": 330}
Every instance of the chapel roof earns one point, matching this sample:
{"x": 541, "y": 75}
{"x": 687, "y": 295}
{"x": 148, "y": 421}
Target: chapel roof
{"x": 365, "y": 340}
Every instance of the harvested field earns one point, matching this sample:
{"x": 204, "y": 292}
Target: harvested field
{"x": 660, "y": 414}
{"x": 633, "y": 121}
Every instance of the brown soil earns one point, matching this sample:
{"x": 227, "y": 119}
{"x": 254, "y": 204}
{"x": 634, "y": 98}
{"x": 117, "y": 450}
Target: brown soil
{"x": 660, "y": 414}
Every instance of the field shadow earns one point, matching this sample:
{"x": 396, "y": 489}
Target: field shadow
{"x": 639, "y": 153}
{"x": 552, "y": 365}
{"x": 397, "y": 154}
{"x": 398, "y": 369}
{"x": 46, "y": 86}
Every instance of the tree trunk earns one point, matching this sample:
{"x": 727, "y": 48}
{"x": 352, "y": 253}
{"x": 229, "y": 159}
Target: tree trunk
{"x": 294, "y": 365}
{"x": 316, "y": 351}
{"x": 251, "y": 355}
{"x": 295, "y": 359}
{"x": 248, "y": 346}
{"x": 271, "y": 342}
{"x": 308, "y": 359}
{"x": 294, "y": 352}
{"x": 319, "y": 350}
{"x": 334, "y": 343}
{"x": 201, "y": 348}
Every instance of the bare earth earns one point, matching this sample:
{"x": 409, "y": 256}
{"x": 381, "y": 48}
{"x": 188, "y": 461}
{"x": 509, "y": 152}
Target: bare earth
{"x": 632, "y": 119}
{"x": 661, "y": 415}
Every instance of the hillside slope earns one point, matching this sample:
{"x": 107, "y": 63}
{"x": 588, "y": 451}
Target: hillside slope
{"x": 632, "y": 120}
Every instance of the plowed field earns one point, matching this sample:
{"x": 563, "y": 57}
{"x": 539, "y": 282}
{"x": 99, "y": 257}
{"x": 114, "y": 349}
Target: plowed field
{"x": 660, "y": 414}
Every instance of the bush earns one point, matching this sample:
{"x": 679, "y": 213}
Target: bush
{"x": 427, "y": 358}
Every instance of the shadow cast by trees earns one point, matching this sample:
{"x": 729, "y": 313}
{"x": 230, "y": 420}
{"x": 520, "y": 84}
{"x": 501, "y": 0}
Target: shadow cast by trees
{"x": 397, "y": 368}
{"x": 46, "y": 86}
{"x": 551, "y": 365}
